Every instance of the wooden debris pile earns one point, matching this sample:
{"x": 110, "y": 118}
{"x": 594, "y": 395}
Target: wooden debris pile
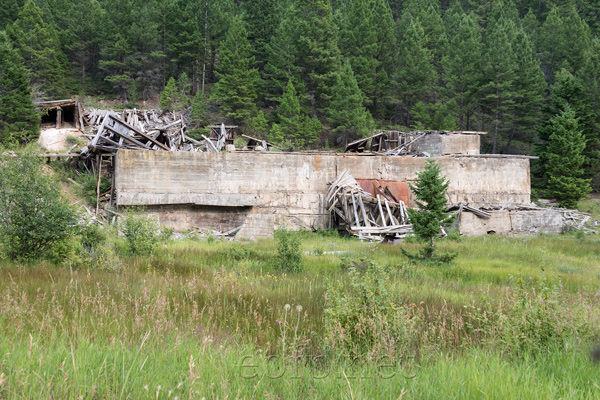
{"x": 396, "y": 143}
{"x": 372, "y": 218}
{"x": 136, "y": 129}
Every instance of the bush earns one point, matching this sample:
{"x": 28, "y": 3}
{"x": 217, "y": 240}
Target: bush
{"x": 534, "y": 321}
{"x": 362, "y": 320}
{"x": 142, "y": 233}
{"x": 33, "y": 216}
{"x": 288, "y": 249}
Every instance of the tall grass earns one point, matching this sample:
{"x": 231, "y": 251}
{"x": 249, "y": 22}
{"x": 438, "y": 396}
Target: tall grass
{"x": 182, "y": 319}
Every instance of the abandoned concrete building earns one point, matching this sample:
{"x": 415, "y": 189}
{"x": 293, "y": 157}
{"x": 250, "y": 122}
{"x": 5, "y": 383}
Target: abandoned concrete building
{"x": 260, "y": 190}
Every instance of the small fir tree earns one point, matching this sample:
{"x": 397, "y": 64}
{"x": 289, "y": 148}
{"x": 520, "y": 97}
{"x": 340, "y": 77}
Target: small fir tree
{"x": 430, "y": 190}
{"x": 565, "y": 159}
{"x": 168, "y": 98}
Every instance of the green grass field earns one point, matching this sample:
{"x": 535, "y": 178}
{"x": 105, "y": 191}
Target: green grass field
{"x": 208, "y": 319}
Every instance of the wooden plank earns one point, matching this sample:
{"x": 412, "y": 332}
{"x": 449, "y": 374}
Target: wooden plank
{"x": 364, "y": 212}
{"x": 354, "y": 207}
{"x": 142, "y": 134}
{"x": 210, "y": 144}
{"x": 383, "y": 219}
{"x": 128, "y": 138}
{"x": 100, "y": 130}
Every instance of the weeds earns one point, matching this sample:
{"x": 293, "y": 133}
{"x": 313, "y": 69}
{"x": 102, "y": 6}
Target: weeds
{"x": 288, "y": 249}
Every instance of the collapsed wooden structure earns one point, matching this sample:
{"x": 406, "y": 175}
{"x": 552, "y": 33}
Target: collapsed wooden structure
{"x": 396, "y": 143}
{"x": 371, "y": 217}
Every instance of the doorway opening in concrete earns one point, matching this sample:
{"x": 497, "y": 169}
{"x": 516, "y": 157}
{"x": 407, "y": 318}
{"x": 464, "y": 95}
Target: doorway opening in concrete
{"x": 186, "y": 217}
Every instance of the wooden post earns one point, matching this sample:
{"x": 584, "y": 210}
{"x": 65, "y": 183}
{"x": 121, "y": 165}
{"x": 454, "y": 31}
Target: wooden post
{"x": 98, "y": 186}
{"x": 58, "y": 118}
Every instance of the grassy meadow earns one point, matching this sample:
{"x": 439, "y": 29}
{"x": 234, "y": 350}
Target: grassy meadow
{"x": 509, "y": 318}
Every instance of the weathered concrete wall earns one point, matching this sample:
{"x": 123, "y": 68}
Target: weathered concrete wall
{"x": 291, "y": 187}
{"x": 189, "y": 216}
{"x": 517, "y": 222}
{"x": 437, "y": 144}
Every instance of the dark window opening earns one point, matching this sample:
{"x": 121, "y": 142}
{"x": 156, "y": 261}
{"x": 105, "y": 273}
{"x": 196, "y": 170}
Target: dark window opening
{"x": 50, "y": 118}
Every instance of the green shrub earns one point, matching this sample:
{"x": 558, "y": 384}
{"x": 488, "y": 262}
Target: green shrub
{"x": 534, "y": 321}
{"x": 89, "y": 185}
{"x": 33, "y": 215}
{"x": 288, "y": 249}
{"x": 142, "y": 233}
{"x": 363, "y": 322}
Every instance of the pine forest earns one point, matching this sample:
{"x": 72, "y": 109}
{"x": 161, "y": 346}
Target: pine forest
{"x": 320, "y": 73}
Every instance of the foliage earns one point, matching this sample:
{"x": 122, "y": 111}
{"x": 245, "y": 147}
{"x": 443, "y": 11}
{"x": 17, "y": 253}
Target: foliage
{"x": 363, "y": 322}
{"x": 531, "y": 322}
{"x": 296, "y": 127}
{"x": 18, "y": 117}
{"x": 168, "y": 97}
{"x": 33, "y": 216}
{"x": 347, "y": 114}
{"x": 142, "y": 233}
{"x": 564, "y": 154}
{"x": 288, "y": 250}
{"x": 38, "y": 44}
{"x": 237, "y": 88}
{"x": 430, "y": 190}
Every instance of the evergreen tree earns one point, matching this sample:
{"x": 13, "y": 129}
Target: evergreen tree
{"x": 18, "y": 117}
{"x": 358, "y": 43}
{"x": 566, "y": 93}
{"x": 238, "y": 82}
{"x": 551, "y": 44}
{"x": 529, "y": 91}
{"x": 565, "y": 159}
{"x": 499, "y": 76}
{"x": 347, "y": 115}
{"x": 295, "y": 127}
{"x": 318, "y": 53}
{"x": 282, "y": 64}
{"x": 259, "y": 126}
{"x": 37, "y": 42}
{"x": 198, "y": 112}
{"x": 262, "y": 18}
{"x": 386, "y": 52}
{"x": 462, "y": 69}
{"x": 430, "y": 191}
{"x": 81, "y": 35}
{"x": 415, "y": 75}
{"x": 169, "y": 96}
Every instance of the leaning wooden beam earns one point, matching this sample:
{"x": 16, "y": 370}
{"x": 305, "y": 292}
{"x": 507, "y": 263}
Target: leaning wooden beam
{"x": 128, "y": 138}
{"x": 142, "y": 134}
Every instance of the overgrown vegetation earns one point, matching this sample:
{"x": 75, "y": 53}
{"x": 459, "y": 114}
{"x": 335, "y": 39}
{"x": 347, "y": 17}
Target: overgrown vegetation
{"x": 185, "y": 319}
{"x": 288, "y": 250}
{"x": 34, "y": 218}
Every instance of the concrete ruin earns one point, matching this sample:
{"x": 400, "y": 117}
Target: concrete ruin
{"x": 262, "y": 190}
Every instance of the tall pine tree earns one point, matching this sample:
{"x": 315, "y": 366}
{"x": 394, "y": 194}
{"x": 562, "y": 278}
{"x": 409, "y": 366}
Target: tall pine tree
{"x": 565, "y": 160}
{"x": 237, "y": 88}
{"x": 18, "y": 117}
{"x": 39, "y": 47}
{"x": 347, "y": 115}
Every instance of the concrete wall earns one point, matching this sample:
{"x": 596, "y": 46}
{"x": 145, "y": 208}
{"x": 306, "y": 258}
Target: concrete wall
{"x": 290, "y": 188}
{"x": 445, "y": 144}
{"x": 517, "y": 222}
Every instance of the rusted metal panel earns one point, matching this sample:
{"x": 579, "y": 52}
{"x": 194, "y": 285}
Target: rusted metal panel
{"x": 398, "y": 190}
